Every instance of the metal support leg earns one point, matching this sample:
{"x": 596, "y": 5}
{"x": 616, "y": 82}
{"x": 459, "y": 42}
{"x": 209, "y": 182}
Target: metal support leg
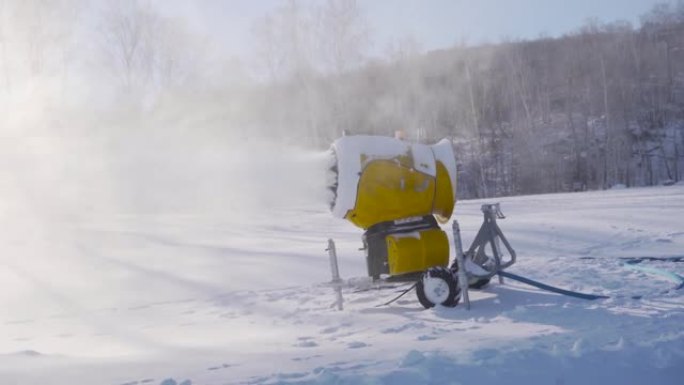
{"x": 335, "y": 271}
{"x": 460, "y": 261}
{"x": 497, "y": 253}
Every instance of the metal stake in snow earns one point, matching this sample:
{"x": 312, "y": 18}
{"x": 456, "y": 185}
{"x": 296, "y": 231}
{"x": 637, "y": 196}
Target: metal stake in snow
{"x": 462, "y": 276}
{"x": 497, "y": 251}
{"x": 335, "y": 271}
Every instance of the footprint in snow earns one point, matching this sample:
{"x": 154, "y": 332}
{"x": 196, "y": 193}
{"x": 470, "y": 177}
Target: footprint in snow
{"x": 229, "y": 315}
{"x": 413, "y": 358}
{"x": 171, "y": 381}
{"x": 298, "y": 359}
{"x": 223, "y": 366}
{"x": 404, "y": 327}
{"x": 426, "y": 338}
{"x": 139, "y": 307}
{"x": 331, "y": 329}
{"x": 292, "y": 376}
{"x": 485, "y": 354}
{"x": 356, "y": 345}
{"x": 306, "y": 344}
{"x": 273, "y": 298}
{"x": 145, "y": 381}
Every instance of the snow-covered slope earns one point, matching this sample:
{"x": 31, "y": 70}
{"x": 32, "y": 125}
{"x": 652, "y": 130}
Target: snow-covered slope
{"x": 142, "y": 269}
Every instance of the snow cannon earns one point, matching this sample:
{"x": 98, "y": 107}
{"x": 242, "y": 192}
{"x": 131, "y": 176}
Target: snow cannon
{"x": 398, "y": 192}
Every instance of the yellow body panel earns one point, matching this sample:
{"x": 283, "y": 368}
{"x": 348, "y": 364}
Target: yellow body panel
{"x": 417, "y": 251}
{"x": 444, "y": 195}
{"x": 389, "y": 190}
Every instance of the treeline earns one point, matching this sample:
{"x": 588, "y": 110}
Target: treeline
{"x": 597, "y": 108}
{"x": 600, "y": 107}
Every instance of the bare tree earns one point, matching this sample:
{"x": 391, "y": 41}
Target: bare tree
{"x": 284, "y": 42}
{"x": 344, "y": 36}
{"x": 601, "y": 106}
{"x": 149, "y": 54}
{"x": 127, "y": 40}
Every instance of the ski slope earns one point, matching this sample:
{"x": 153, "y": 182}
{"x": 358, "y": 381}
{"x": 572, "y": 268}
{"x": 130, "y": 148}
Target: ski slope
{"x": 206, "y": 267}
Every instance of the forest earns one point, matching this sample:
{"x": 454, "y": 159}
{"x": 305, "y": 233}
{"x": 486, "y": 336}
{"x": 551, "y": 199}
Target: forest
{"x": 600, "y": 107}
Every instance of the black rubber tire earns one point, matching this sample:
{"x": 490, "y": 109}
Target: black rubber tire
{"x": 480, "y": 283}
{"x": 452, "y": 282}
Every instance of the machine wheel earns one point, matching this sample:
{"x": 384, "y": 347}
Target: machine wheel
{"x": 472, "y": 284}
{"x": 438, "y": 286}
{"x": 480, "y": 283}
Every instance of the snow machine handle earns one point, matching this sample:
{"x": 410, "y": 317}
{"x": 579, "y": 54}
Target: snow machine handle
{"x": 494, "y": 209}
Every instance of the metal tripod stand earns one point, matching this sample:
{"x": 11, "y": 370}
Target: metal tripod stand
{"x": 488, "y": 238}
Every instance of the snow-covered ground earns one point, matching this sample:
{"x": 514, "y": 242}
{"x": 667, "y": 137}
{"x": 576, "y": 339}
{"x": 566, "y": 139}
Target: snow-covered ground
{"x": 183, "y": 262}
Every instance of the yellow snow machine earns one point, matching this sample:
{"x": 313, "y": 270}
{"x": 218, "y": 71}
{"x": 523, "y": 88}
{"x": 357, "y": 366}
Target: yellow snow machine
{"x": 399, "y": 193}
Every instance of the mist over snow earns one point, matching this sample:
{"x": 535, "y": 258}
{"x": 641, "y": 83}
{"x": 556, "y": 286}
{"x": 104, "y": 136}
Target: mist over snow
{"x": 140, "y": 297}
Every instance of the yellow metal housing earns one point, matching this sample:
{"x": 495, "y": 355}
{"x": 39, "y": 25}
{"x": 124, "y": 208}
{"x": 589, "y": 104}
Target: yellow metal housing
{"x": 389, "y": 190}
{"x": 444, "y": 195}
{"x": 417, "y": 251}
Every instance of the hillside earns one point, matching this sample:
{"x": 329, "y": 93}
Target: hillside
{"x": 139, "y": 293}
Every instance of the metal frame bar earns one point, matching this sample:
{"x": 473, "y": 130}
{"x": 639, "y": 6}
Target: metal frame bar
{"x": 335, "y": 272}
{"x": 489, "y": 233}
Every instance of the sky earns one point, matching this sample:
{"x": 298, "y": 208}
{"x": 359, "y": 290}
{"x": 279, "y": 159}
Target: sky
{"x": 434, "y": 23}
{"x": 442, "y": 23}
